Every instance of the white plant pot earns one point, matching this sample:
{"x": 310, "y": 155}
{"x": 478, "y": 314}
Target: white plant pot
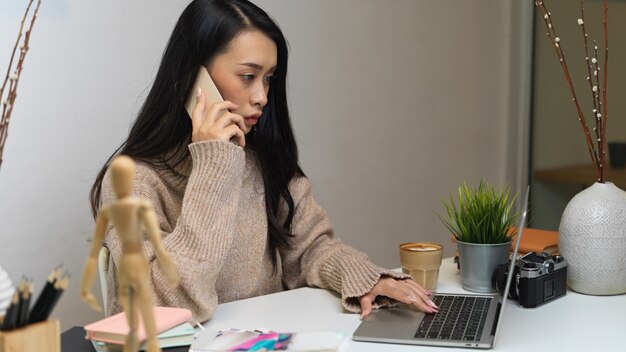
{"x": 592, "y": 237}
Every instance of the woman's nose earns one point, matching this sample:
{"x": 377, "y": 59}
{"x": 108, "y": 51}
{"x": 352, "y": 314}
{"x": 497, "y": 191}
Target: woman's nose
{"x": 259, "y": 97}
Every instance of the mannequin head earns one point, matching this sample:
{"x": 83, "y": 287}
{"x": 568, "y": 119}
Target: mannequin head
{"x": 122, "y": 175}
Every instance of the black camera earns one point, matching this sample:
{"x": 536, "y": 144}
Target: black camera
{"x": 537, "y": 278}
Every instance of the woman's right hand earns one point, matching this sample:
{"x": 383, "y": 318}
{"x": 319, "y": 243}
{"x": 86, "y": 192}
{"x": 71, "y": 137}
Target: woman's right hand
{"x": 216, "y": 122}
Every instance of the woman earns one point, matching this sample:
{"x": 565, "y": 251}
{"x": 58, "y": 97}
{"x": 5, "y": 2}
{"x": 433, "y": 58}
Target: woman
{"x": 237, "y": 213}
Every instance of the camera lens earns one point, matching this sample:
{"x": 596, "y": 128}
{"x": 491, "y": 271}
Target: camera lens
{"x": 499, "y": 277}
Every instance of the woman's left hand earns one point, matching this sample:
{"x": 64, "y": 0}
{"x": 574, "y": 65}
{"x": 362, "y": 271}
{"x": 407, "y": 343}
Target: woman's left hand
{"x": 406, "y": 291}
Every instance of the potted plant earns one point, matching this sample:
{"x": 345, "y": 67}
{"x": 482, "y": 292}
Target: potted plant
{"x": 593, "y": 224}
{"x": 481, "y": 224}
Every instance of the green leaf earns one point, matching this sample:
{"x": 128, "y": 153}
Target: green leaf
{"x": 483, "y": 215}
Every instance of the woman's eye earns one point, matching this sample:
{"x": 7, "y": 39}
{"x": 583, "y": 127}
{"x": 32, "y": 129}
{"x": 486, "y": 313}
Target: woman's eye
{"x": 268, "y": 79}
{"x": 248, "y": 77}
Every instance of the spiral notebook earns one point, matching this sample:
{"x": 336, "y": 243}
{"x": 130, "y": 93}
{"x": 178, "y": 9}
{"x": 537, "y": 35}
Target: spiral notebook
{"x": 263, "y": 340}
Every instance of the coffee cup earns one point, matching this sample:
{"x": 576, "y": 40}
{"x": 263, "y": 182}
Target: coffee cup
{"x": 422, "y": 260}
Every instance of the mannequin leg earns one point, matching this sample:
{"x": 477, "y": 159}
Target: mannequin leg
{"x": 144, "y": 305}
{"x": 132, "y": 317}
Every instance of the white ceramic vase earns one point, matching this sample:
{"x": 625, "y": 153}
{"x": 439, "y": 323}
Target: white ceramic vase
{"x": 6, "y": 291}
{"x": 592, "y": 237}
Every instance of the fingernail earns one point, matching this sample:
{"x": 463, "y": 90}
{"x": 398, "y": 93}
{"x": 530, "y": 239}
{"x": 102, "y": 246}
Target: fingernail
{"x": 432, "y": 304}
{"x": 198, "y": 92}
{"x": 412, "y": 298}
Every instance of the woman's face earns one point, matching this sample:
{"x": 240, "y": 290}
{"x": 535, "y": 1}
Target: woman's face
{"x": 243, "y": 73}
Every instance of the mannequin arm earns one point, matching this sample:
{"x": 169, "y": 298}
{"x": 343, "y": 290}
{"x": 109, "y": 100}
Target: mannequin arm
{"x": 91, "y": 264}
{"x": 154, "y": 235}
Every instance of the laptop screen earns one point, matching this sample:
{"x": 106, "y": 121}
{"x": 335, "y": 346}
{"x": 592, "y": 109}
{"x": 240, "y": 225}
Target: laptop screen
{"x": 505, "y": 294}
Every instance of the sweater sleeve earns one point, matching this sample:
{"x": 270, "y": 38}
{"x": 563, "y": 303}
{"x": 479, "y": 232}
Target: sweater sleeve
{"x": 201, "y": 238}
{"x": 319, "y": 259}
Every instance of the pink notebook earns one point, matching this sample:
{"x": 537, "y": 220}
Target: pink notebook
{"x": 114, "y": 329}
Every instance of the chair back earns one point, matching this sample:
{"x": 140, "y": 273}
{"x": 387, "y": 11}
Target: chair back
{"x": 103, "y": 270}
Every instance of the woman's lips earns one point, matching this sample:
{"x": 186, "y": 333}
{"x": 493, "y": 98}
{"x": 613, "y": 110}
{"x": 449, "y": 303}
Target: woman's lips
{"x": 252, "y": 119}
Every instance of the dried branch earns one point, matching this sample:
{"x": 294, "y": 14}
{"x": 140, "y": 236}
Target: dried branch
{"x": 17, "y": 42}
{"x": 554, "y": 38}
{"x": 13, "y": 78}
{"x": 590, "y": 77}
{"x": 598, "y": 114}
{"x": 605, "y": 115}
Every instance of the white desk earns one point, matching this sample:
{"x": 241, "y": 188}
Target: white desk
{"x": 572, "y": 323}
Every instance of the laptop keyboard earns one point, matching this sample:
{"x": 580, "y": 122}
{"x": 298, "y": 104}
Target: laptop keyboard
{"x": 459, "y": 318}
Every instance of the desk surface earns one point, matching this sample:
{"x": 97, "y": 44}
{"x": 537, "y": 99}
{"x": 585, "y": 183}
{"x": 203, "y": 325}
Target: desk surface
{"x": 574, "y": 322}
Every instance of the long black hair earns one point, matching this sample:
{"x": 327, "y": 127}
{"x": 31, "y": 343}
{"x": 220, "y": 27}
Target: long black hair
{"x": 162, "y": 130}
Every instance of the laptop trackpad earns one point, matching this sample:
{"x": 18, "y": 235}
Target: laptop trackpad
{"x": 391, "y": 323}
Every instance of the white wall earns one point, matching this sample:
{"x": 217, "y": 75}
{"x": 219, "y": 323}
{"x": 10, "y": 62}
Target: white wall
{"x": 394, "y": 104}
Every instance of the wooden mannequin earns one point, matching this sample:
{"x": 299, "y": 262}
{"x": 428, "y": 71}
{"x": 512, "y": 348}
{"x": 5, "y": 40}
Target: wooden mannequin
{"x": 128, "y": 214}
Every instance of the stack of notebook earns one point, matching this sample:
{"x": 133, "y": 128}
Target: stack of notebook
{"x": 172, "y": 324}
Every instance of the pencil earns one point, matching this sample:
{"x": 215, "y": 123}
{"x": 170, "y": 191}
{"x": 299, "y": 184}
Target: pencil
{"x": 11, "y": 314}
{"x": 22, "y": 319}
{"x": 37, "y": 314}
{"x": 19, "y": 289}
{"x": 20, "y": 300}
{"x": 59, "y": 286}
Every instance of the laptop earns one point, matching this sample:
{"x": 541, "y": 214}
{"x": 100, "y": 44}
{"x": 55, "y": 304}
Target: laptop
{"x": 463, "y": 320}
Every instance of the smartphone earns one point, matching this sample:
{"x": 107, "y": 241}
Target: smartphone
{"x": 204, "y": 82}
{"x": 212, "y": 95}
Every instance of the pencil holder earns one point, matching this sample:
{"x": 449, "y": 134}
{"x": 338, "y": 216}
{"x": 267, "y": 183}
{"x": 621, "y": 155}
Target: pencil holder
{"x": 39, "y": 337}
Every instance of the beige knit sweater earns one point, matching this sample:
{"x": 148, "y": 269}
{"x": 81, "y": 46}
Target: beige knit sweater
{"x": 214, "y": 227}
